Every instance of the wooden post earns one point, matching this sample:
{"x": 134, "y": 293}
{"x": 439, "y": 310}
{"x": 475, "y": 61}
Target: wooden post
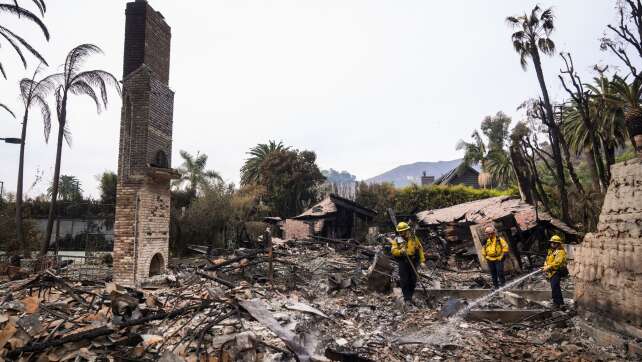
{"x": 267, "y": 237}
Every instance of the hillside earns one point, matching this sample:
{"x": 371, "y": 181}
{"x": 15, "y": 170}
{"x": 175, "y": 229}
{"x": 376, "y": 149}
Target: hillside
{"x": 404, "y": 175}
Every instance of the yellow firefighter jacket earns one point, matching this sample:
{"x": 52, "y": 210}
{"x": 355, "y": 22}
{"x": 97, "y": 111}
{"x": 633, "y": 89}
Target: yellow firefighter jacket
{"x": 495, "y": 249}
{"x": 555, "y": 260}
{"x": 413, "y": 247}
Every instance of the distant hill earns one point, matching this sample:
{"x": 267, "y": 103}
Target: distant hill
{"x": 406, "y": 174}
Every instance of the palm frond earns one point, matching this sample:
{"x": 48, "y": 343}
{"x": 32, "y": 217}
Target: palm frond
{"x": 76, "y": 58}
{"x": 546, "y": 45}
{"x": 99, "y": 79}
{"x": 8, "y": 110}
{"x": 20, "y": 12}
{"x": 23, "y": 42}
{"x": 46, "y": 114}
{"x": 80, "y": 88}
{"x": 67, "y": 134}
{"x": 14, "y": 45}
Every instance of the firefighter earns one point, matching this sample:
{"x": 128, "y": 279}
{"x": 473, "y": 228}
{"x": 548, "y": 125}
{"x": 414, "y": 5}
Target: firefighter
{"x": 555, "y": 269}
{"x": 494, "y": 251}
{"x": 409, "y": 252}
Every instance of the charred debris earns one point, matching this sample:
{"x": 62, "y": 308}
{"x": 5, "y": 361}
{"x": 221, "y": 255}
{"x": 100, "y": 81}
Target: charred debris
{"x": 305, "y": 299}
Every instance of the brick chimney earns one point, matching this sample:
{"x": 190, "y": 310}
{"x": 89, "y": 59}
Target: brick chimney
{"x": 141, "y": 230}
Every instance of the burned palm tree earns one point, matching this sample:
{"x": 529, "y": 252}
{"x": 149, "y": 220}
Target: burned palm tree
{"x": 19, "y": 44}
{"x": 33, "y": 94}
{"x": 72, "y": 81}
{"x": 532, "y": 37}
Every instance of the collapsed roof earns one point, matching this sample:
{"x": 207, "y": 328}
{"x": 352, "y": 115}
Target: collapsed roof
{"x": 491, "y": 209}
{"x": 330, "y": 206}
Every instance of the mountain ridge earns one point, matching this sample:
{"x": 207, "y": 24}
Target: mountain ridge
{"x": 405, "y": 175}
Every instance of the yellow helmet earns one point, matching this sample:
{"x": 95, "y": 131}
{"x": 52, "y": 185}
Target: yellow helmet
{"x": 402, "y": 226}
{"x": 556, "y": 239}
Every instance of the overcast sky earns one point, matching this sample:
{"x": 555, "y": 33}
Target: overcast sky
{"x": 368, "y": 85}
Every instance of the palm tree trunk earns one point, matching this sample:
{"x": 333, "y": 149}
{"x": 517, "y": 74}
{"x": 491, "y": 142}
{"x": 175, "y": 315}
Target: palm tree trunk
{"x": 590, "y": 161}
{"x": 54, "y": 189}
{"x": 520, "y": 169}
{"x": 555, "y": 136}
{"x": 21, "y": 163}
{"x": 599, "y": 162}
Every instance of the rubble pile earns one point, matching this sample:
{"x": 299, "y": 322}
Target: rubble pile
{"x": 319, "y": 306}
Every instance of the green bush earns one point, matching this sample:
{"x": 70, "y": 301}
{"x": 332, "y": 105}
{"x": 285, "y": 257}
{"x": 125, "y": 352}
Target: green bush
{"x": 413, "y": 199}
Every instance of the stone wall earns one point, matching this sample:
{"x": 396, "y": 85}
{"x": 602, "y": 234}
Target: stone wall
{"x": 608, "y": 264}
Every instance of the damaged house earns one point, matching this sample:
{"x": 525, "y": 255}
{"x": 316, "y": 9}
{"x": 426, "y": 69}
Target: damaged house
{"x": 521, "y": 224}
{"x": 334, "y": 217}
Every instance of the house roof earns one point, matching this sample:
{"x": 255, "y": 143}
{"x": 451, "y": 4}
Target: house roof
{"x": 449, "y": 176}
{"x": 331, "y": 204}
{"x": 490, "y": 209}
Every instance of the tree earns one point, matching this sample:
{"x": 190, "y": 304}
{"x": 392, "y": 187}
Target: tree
{"x": 194, "y": 175}
{"x": 583, "y": 110}
{"x": 107, "y": 186}
{"x": 73, "y": 81}
{"x": 17, "y": 42}
{"x": 493, "y": 158}
{"x": 609, "y": 116}
{"x": 250, "y": 172}
{"x": 33, "y": 94}
{"x": 629, "y": 99}
{"x": 69, "y": 189}
{"x": 531, "y": 38}
{"x": 496, "y": 130}
{"x": 291, "y": 179}
{"x": 474, "y": 152}
{"x": 630, "y": 15}
{"x": 340, "y": 183}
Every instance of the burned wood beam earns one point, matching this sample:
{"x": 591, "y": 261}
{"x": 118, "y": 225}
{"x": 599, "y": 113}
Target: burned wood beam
{"x": 102, "y": 331}
{"x": 216, "y": 279}
{"x": 234, "y": 260}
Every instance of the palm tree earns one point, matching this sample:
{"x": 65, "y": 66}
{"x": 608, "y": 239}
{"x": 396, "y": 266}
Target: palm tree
{"x": 629, "y": 99}
{"x": 33, "y": 94}
{"x": 68, "y": 189}
{"x": 610, "y": 117}
{"x": 531, "y": 38}
{"x": 251, "y": 170}
{"x": 474, "y": 152}
{"x": 193, "y": 173}
{"x": 16, "y": 41}
{"x": 498, "y": 164}
{"x": 73, "y": 81}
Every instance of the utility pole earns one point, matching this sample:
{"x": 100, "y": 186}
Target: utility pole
{"x": 1, "y": 192}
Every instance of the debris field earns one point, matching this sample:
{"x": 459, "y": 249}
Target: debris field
{"x": 309, "y": 301}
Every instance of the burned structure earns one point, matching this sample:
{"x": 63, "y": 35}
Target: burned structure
{"x": 141, "y": 231}
{"x": 334, "y": 217}
{"x": 520, "y": 223}
{"x": 608, "y": 264}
